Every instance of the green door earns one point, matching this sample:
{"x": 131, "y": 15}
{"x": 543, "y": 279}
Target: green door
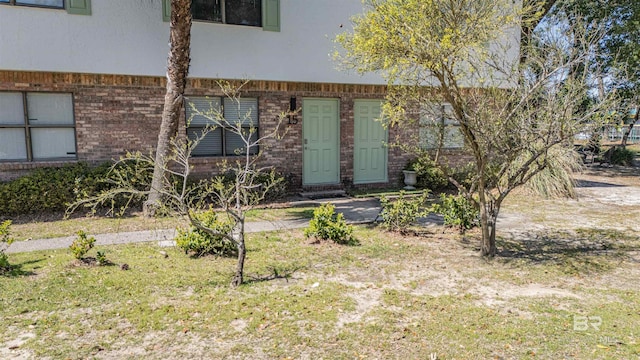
{"x": 321, "y": 141}
{"x": 369, "y": 148}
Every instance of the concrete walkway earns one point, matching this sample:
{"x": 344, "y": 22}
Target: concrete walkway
{"x": 356, "y": 211}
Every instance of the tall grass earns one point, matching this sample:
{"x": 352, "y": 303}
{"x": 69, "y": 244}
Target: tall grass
{"x": 556, "y": 179}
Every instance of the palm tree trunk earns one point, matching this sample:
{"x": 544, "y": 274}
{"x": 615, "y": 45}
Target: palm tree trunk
{"x": 177, "y": 70}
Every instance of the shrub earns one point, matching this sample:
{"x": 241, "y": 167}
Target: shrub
{"x": 52, "y": 189}
{"x": 82, "y": 244}
{"x": 428, "y": 173}
{"x": 5, "y": 239}
{"x": 464, "y": 174}
{"x": 45, "y": 189}
{"x": 327, "y": 225}
{"x": 199, "y": 243}
{"x": 102, "y": 258}
{"x": 622, "y": 156}
{"x": 458, "y": 212}
{"x": 136, "y": 173}
{"x": 399, "y": 214}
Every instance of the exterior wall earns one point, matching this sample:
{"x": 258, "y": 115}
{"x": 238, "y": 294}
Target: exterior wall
{"x": 129, "y": 37}
{"x": 115, "y": 114}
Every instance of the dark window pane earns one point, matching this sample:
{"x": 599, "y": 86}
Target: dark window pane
{"x": 208, "y": 10}
{"x": 235, "y": 144}
{"x": 243, "y": 12}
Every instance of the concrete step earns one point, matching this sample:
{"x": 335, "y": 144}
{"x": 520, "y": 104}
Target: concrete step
{"x": 324, "y": 194}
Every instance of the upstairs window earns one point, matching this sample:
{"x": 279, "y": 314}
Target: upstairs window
{"x": 237, "y": 12}
{"x": 74, "y": 7}
{"x": 55, "y": 4}
{"x": 36, "y": 126}
{"x": 221, "y": 141}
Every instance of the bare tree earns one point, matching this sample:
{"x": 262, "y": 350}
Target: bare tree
{"x": 249, "y": 186}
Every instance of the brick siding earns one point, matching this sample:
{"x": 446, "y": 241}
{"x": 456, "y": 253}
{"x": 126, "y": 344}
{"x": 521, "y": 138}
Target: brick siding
{"x": 115, "y": 114}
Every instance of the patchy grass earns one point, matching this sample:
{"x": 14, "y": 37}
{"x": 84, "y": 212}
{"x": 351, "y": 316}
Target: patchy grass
{"x": 390, "y": 297}
{"x": 563, "y": 286}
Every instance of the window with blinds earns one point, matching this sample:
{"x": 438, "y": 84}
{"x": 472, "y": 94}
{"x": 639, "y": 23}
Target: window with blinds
{"x": 36, "y": 126}
{"x": 224, "y": 127}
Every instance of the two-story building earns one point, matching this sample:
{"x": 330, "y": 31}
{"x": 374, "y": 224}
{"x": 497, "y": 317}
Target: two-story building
{"x": 84, "y": 80}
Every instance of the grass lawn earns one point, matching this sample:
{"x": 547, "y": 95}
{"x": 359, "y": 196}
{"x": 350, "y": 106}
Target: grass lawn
{"x": 574, "y": 295}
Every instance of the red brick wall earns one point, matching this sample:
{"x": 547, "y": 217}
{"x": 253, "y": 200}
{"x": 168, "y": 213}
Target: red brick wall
{"x": 115, "y": 114}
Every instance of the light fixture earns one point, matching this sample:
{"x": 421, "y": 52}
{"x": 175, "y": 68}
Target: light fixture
{"x": 293, "y": 119}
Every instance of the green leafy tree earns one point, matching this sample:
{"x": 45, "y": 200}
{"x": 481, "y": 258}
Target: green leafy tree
{"x": 619, "y": 49}
{"x": 514, "y": 116}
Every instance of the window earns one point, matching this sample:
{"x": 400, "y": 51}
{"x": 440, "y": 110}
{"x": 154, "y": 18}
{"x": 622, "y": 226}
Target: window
{"x": 238, "y": 12}
{"x": 438, "y": 126}
{"x": 75, "y": 7}
{"x": 221, "y": 141}
{"x": 57, "y": 4}
{"x": 36, "y": 126}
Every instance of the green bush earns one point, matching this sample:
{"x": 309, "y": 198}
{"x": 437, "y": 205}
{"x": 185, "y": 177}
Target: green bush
{"x": 5, "y": 238}
{"x": 428, "y": 173}
{"x": 101, "y": 256}
{"x": 399, "y": 214}
{"x": 327, "y": 225}
{"x": 82, "y": 244}
{"x": 458, "y": 212}
{"x": 52, "y": 189}
{"x": 464, "y": 174}
{"x": 199, "y": 243}
{"x": 622, "y": 156}
{"x": 42, "y": 190}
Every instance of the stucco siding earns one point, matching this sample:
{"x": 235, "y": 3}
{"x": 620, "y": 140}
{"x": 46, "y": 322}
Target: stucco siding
{"x": 128, "y": 37}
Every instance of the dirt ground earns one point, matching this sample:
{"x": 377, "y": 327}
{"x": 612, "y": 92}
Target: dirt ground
{"x": 607, "y": 198}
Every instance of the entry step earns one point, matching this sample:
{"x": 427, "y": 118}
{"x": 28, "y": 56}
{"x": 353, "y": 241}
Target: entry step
{"x": 325, "y": 194}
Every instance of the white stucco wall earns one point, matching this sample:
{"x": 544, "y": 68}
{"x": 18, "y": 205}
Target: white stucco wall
{"x": 129, "y": 37}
